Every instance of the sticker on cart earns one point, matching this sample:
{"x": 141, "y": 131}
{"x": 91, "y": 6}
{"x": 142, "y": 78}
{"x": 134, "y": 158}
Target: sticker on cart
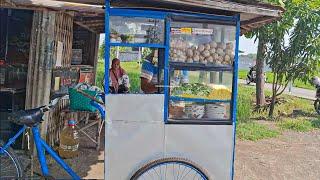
{"x": 201, "y": 31}
{"x": 175, "y": 31}
{"x": 181, "y": 30}
{"x": 186, "y": 30}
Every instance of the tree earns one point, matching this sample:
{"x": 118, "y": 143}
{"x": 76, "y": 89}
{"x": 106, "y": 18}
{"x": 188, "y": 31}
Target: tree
{"x": 102, "y": 50}
{"x": 260, "y": 35}
{"x": 300, "y": 58}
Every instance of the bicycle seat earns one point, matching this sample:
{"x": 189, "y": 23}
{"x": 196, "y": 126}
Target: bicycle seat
{"x": 30, "y": 118}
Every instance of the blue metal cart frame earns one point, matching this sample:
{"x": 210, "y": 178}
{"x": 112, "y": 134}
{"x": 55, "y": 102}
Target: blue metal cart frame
{"x": 164, "y": 15}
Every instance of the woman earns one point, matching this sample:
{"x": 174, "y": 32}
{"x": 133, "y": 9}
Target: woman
{"x": 117, "y": 75}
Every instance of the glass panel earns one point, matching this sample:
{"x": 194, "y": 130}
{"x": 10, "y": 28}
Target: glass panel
{"x": 191, "y": 110}
{"x": 139, "y": 70}
{"x": 202, "y": 43}
{"x": 136, "y": 30}
{"x": 201, "y": 84}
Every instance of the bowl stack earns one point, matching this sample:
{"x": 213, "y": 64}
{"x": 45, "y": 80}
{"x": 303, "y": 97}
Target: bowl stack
{"x": 195, "y": 111}
{"x": 176, "y": 111}
{"x": 215, "y": 111}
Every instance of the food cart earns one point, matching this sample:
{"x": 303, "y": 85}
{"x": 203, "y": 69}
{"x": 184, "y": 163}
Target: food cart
{"x": 192, "y": 118}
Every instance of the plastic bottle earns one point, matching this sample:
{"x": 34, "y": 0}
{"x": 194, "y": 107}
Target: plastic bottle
{"x": 69, "y": 141}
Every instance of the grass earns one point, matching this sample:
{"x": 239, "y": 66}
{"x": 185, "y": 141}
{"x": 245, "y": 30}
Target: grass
{"x": 298, "y": 83}
{"x": 247, "y": 128}
{"x": 299, "y": 124}
{"x": 292, "y": 103}
{"x": 254, "y": 131}
{"x": 132, "y": 68}
{"x": 244, "y": 105}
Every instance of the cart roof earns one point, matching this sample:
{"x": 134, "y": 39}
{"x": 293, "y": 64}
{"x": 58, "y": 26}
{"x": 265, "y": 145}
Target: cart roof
{"x": 90, "y": 13}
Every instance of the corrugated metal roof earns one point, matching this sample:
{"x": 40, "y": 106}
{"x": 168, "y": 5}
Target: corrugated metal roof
{"x": 253, "y": 14}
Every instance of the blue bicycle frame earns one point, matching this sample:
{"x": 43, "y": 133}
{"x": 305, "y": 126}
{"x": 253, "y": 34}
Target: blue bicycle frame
{"x": 41, "y": 146}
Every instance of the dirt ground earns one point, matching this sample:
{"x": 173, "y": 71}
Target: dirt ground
{"x": 292, "y": 156}
{"x": 89, "y": 164}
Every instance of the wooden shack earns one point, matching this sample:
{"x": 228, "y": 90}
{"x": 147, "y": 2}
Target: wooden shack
{"x": 44, "y": 46}
{"x": 45, "y": 41}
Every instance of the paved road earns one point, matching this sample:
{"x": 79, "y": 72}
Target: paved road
{"x": 298, "y": 92}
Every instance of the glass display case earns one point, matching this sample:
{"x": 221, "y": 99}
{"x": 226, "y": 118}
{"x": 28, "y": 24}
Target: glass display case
{"x": 202, "y": 43}
{"x": 201, "y": 61}
{"x": 136, "y": 30}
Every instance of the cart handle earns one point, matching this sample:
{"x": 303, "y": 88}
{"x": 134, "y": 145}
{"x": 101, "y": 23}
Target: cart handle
{"x": 90, "y": 97}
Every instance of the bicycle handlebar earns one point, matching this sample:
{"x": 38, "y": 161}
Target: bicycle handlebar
{"x": 90, "y": 97}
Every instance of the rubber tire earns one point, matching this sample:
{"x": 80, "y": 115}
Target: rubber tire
{"x": 316, "y": 105}
{"x": 155, "y": 163}
{"x": 14, "y": 158}
{"x": 248, "y": 81}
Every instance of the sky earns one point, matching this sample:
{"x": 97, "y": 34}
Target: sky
{"x": 246, "y": 45}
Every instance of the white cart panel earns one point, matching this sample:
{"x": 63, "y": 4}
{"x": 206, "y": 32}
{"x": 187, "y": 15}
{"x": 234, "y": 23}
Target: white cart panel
{"x": 130, "y": 145}
{"x": 135, "y": 107}
{"x": 210, "y": 147}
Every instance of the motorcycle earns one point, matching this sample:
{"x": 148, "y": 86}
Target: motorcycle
{"x": 316, "y": 104}
{"x": 251, "y": 76}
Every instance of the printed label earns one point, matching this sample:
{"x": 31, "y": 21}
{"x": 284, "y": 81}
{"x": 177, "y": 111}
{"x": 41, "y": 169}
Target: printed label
{"x": 202, "y": 31}
{"x": 186, "y": 30}
{"x": 69, "y": 148}
{"x": 175, "y": 31}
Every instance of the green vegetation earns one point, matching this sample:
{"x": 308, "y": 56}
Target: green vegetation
{"x": 316, "y": 123}
{"x": 100, "y": 74}
{"x": 244, "y": 105}
{"x": 250, "y": 129}
{"x": 132, "y": 68}
{"x": 289, "y": 103}
{"x": 247, "y": 127}
{"x": 297, "y": 83}
{"x": 300, "y": 125}
{"x": 253, "y": 131}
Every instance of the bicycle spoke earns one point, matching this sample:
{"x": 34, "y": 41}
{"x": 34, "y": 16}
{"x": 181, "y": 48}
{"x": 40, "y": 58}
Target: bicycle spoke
{"x": 172, "y": 171}
{"x": 187, "y": 173}
{"x": 183, "y": 172}
{"x": 8, "y": 167}
{"x": 156, "y": 172}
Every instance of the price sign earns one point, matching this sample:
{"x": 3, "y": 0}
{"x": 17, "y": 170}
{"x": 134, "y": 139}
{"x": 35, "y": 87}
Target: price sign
{"x": 181, "y": 30}
{"x": 175, "y": 31}
{"x": 201, "y": 31}
{"x": 186, "y": 30}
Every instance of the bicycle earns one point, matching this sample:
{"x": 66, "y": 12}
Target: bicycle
{"x": 10, "y": 165}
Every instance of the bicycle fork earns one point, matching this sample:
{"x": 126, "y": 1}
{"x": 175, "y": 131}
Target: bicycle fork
{"x": 42, "y": 159}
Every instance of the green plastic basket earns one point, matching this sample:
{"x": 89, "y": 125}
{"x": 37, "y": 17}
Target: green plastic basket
{"x": 79, "y": 102}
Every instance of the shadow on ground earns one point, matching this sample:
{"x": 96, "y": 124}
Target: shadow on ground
{"x": 89, "y": 164}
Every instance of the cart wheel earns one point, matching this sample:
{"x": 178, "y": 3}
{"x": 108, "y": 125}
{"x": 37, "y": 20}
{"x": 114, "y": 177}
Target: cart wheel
{"x": 170, "y": 169}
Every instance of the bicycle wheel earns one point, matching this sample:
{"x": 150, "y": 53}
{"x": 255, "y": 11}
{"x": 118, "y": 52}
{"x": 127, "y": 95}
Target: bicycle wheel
{"x": 170, "y": 169}
{"x": 10, "y": 167}
{"x": 317, "y": 105}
